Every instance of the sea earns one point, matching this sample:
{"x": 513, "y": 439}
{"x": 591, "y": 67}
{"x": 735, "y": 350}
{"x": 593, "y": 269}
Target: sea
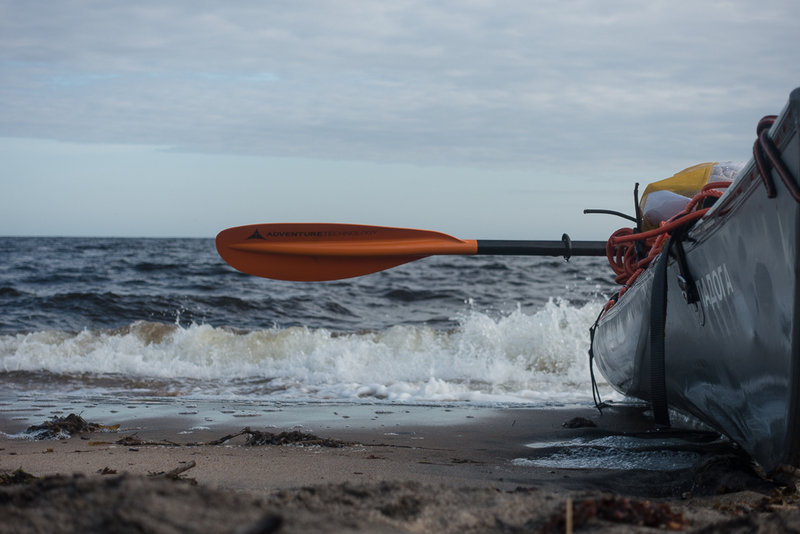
{"x": 113, "y": 318}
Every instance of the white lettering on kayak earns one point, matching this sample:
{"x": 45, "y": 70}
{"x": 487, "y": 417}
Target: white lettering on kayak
{"x": 715, "y": 286}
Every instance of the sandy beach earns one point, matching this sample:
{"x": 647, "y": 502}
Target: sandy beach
{"x": 378, "y": 468}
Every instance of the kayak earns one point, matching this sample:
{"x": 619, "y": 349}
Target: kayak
{"x": 706, "y": 321}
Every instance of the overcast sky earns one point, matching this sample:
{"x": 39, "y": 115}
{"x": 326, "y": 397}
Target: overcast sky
{"x": 482, "y": 119}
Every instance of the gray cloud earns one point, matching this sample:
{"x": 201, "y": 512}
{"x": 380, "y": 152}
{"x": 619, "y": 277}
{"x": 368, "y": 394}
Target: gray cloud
{"x": 516, "y": 84}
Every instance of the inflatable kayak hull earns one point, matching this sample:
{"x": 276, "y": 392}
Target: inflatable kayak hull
{"x": 732, "y": 358}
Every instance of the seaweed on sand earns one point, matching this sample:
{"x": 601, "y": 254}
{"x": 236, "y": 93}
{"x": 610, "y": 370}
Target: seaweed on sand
{"x": 64, "y": 427}
{"x": 294, "y": 437}
{"x": 254, "y": 438}
{"x": 17, "y": 477}
{"x": 620, "y": 510}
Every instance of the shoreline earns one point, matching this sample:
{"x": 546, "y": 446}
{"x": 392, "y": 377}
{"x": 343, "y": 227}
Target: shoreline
{"x": 428, "y": 442}
{"x": 434, "y": 468}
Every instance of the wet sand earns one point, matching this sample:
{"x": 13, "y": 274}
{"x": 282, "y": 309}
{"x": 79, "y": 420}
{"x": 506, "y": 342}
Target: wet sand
{"x": 395, "y": 469}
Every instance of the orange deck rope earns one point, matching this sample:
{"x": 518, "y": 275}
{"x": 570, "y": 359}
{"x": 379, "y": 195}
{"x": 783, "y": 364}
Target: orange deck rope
{"x": 621, "y": 249}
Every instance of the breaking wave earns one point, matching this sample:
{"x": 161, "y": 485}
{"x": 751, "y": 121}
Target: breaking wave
{"x": 517, "y": 357}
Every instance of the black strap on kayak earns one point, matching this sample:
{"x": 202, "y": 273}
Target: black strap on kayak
{"x": 598, "y": 402}
{"x": 658, "y": 321}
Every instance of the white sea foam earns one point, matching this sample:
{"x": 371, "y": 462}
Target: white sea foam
{"x": 588, "y": 458}
{"x": 515, "y": 358}
{"x": 612, "y": 452}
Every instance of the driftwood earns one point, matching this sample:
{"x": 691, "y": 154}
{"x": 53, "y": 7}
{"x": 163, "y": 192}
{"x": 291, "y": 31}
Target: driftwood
{"x": 175, "y": 474}
{"x": 133, "y": 441}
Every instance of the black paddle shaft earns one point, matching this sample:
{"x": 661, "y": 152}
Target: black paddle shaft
{"x": 566, "y": 248}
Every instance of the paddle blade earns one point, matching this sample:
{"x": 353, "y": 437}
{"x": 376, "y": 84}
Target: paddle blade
{"x": 315, "y": 252}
